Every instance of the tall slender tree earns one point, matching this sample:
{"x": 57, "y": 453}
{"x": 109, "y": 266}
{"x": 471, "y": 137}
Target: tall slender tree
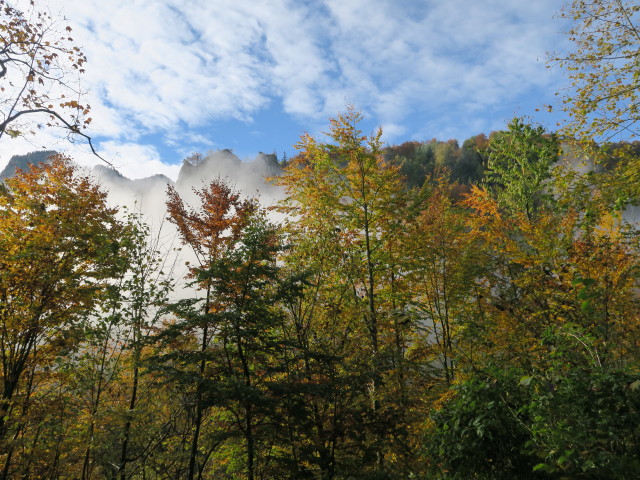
{"x": 345, "y": 194}
{"x": 210, "y": 230}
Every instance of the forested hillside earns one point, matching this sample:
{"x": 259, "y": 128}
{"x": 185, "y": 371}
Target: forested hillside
{"x": 425, "y": 310}
{"x": 383, "y": 330}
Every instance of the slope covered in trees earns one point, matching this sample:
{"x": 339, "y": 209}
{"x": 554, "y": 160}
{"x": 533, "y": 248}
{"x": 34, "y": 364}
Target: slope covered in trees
{"x": 383, "y": 330}
{"x": 421, "y": 311}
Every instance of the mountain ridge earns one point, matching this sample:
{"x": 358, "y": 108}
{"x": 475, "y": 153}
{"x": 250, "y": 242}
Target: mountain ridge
{"x": 194, "y": 166}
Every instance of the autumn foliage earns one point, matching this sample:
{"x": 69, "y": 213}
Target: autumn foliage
{"x": 427, "y": 310}
{"x": 380, "y": 331}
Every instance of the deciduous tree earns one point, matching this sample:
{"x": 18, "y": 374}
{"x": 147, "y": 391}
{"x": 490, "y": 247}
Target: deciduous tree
{"x": 53, "y": 269}
{"x": 519, "y": 164}
{"x": 603, "y": 99}
{"x": 210, "y": 230}
{"x": 349, "y": 201}
{"x": 40, "y": 68}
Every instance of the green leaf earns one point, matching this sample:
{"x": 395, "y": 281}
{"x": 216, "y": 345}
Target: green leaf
{"x": 526, "y": 381}
{"x": 586, "y": 306}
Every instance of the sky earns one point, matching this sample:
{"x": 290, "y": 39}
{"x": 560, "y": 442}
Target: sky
{"x": 168, "y": 78}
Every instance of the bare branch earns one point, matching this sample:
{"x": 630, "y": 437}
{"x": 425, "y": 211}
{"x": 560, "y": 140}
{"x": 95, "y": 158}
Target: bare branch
{"x": 38, "y": 58}
{"x": 73, "y": 129}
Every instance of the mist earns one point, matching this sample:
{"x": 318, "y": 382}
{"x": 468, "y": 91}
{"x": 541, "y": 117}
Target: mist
{"x": 147, "y": 196}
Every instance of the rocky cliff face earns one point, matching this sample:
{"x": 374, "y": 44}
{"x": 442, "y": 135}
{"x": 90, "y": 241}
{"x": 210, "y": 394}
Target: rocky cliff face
{"x": 22, "y": 162}
{"x": 226, "y": 165}
{"x": 148, "y": 194}
{"x": 114, "y": 178}
{"x": 218, "y": 164}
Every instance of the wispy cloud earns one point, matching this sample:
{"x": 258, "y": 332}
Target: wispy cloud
{"x": 159, "y": 67}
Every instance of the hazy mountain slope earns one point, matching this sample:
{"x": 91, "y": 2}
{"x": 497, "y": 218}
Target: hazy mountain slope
{"x": 22, "y": 162}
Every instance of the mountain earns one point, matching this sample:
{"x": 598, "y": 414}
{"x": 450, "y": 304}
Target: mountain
{"x": 226, "y": 165}
{"x": 141, "y": 195}
{"x": 112, "y": 178}
{"x": 148, "y": 194}
{"x": 22, "y": 162}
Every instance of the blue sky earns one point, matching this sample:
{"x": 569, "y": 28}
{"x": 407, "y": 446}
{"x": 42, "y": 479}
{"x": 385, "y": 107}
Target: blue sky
{"x": 167, "y": 78}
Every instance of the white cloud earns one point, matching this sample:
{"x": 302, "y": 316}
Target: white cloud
{"x": 134, "y": 160}
{"x": 391, "y": 131}
{"x": 157, "y": 65}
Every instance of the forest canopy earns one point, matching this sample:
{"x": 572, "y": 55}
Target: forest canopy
{"x": 422, "y": 310}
